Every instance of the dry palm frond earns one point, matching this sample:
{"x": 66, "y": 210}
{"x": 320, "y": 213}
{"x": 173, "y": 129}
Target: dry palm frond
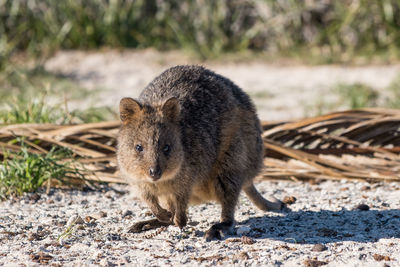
{"x": 355, "y": 144}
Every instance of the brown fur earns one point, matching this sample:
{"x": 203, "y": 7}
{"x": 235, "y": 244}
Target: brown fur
{"x": 199, "y": 140}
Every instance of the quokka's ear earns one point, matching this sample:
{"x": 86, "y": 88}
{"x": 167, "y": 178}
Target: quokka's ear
{"x": 128, "y": 109}
{"x": 171, "y": 109}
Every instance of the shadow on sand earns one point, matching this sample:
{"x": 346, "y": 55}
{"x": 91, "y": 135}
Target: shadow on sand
{"x": 311, "y": 227}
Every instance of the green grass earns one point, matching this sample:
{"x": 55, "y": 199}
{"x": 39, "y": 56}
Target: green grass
{"x": 260, "y": 94}
{"x": 36, "y": 110}
{"x": 357, "y": 95}
{"x": 393, "y": 100}
{"x": 37, "y": 96}
{"x": 25, "y": 172}
{"x": 20, "y": 110}
{"x": 28, "y": 82}
{"x": 317, "y": 31}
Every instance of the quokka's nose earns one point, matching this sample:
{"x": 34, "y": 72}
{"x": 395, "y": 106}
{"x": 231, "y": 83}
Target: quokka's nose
{"x": 155, "y": 172}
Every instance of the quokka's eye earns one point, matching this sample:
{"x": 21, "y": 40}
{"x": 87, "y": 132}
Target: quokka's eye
{"x": 139, "y": 148}
{"x": 166, "y": 149}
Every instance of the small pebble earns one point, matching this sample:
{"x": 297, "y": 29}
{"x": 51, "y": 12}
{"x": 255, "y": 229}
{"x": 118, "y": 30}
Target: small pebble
{"x": 79, "y": 220}
{"x": 244, "y": 256}
{"x": 314, "y": 263}
{"x": 96, "y": 215}
{"x": 243, "y": 230}
{"x": 71, "y": 220}
{"x": 193, "y": 223}
{"x": 362, "y": 207}
{"x": 289, "y": 200}
{"x": 379, "y": 257}
{"x": 198, "y": 233}
{"x": 104, "y": 262}
{"x": 365, "y": 188}
{"x": 127, "y": 213}
{"x": 34, "y": 197}
{"x": 319, "y": 248}
{"x": 247, "y": 240}
{"x": 109, "y": 194}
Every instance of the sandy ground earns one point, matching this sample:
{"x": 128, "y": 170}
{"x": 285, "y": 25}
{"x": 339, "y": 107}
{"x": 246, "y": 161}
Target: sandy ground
{"x": 326, "y": 225}
{"x": 280, "y": 92}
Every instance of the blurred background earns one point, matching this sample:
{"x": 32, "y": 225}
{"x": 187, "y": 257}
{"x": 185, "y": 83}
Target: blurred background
{"x": 71, "y": 61}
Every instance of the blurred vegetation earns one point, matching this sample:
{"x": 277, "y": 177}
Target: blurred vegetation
{"x": 35, "y": 110}
{"x": 357, "y": 95}
{"x": 37, "y": 96}
{"x": 324, "y": 30}
{"x": 393, "y": 100}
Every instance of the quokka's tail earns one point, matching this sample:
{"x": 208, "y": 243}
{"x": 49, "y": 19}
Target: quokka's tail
{"x": 260, "y": 201}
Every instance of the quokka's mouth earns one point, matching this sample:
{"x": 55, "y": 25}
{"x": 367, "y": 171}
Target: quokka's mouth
{"x": 155, "y": 179}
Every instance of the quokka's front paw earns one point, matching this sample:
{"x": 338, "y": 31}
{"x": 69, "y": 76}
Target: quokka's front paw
{"x": 147, "y": 225}
{"x": 180, "y": 220}
{"x": 164, "y": 215}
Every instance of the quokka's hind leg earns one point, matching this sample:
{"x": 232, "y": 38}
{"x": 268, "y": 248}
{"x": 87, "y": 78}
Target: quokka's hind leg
{"x": 228, "y": 193}
{"x": 260, "y": 201}
{"x": 217, "y": 230}
{"x": 147, "y": 225}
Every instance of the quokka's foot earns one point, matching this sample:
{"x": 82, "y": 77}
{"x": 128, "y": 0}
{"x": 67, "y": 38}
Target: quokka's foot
{"x": 180, "y": 220}
{"x": 147, "y": 225}
{"x": 218, "y": 230}
{"x": 164, "y": 215}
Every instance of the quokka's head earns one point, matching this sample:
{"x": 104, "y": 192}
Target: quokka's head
{"x": 149, "y": 140}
